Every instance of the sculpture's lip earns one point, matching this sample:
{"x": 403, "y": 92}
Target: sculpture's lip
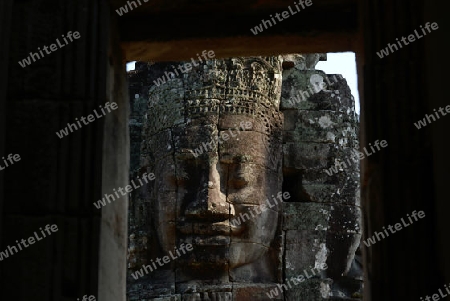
{"x": 208, "y": 229}
{"x": 216, "y": 240}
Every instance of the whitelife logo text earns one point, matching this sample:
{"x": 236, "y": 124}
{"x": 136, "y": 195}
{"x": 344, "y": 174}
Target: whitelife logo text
{"x": 339, "y": 166}
{"x": 166, "y": 259}
{"x": 284, "y": 15}
{"x": 31, "y": 240}
{"x": 124, "y": 9}
{"x": 411, "y": 38}
{"x": 35, "y": 56}
{"x": 110, "y": 197}
{"x": 187, "y": 67}
{"x": 65, "y": 132}
{"x": 372, "y": 240}
{"x": 423, "y": 123}
{"x": 11, "y": 158}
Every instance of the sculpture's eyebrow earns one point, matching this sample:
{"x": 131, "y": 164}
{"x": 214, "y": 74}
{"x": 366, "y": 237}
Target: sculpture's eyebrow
{"x": 235, "y": 158}
{"x": 189, "y": 153}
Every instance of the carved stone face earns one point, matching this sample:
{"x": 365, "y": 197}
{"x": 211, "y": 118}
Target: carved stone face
{"x": 208, "y": 193}
{"x": 228, "y": 181}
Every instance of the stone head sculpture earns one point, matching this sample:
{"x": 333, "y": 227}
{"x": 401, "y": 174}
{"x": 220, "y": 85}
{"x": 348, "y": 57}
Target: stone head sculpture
{"x": 213, "y": 138}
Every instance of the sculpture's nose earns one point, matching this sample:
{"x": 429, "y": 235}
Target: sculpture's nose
{"x": 210, "y": 202}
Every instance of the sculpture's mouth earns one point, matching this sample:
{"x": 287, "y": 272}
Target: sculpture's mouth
{"x": 211, "y": 234}
{"x": 216, "y": 240}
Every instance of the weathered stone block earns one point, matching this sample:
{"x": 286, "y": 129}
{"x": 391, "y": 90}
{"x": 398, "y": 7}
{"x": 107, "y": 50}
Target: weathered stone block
{"x": 208, "y": 296}
{"x": 345, "y": 219}
{"x": 148, "y": 288}
{"x": 161, "y": 139}
{"x": 331, "y": 193}
{"x": 242, "y": 292}
{"x": 306, "y": 216}
{"x": 306, "y": 156}
{"x": 169, "y": 298}
{"x": 314, "y": 90}
{"x": 310, "y": 290}
{"x": 305, "y": 251}
{"x": 322, "y": 127}
{"x": 198, "y": 286}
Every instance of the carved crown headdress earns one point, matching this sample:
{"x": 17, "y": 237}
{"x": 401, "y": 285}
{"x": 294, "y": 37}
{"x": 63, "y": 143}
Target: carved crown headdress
{"x": 239, "y": 86}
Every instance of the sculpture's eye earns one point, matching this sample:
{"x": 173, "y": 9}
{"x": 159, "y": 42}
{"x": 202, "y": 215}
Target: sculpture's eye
{"x": 192, "y": 173}
{"x": 239, "y": 176}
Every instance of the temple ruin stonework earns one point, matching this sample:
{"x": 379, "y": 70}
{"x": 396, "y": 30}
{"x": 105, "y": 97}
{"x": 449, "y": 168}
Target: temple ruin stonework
{"x": 239, "y": 149}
